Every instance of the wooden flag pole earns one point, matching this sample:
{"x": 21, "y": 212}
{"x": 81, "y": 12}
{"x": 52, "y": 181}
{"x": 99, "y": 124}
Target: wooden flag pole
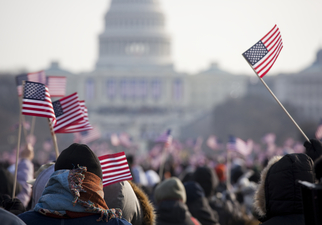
{"x": 54, "y": 138}
{"x": 32, "y": 127}
{"x": 23, "y": 118}
{"x": 18, "y": 146}
{"x": 161, "y": 169}
{"x": 279, "y": 103}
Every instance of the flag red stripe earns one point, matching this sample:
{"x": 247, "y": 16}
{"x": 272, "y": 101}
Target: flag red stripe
{"x": 271, "y": 53}
{"x": 272, "y": 63}
{"x": 111, "y": 155}
{"x": 270, "y": 37}
{"x": 276, "y": 52}
{"x": 112, "y": 166}
{"x": 117, "y": 180}
{"x": 275, "y": 40}
{"x": 269, "y": 32}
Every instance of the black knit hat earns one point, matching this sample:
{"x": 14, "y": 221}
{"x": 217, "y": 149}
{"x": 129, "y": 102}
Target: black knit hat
{"x": 79, "y": 154}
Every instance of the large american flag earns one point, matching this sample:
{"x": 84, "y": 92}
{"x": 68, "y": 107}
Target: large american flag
{"x": 81, "y": 125}
{"x": 36, "y": 101}
{"x": 264, "y": 53}
{"x": 115, "y": 168}
{"x": 56, "y": 86}
{"x": 67, "y": 111}
{"x": 39, "y": 77}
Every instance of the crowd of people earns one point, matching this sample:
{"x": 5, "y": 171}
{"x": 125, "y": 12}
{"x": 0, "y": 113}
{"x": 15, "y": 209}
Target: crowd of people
{"x": 212, "y": 191}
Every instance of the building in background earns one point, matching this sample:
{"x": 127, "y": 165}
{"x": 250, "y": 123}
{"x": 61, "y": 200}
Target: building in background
{"x": 303, "y": 90}
{"x": 134, "y": 87}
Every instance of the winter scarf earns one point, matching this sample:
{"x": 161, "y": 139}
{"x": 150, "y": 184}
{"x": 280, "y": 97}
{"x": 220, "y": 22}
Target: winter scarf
{"x": 75, "y": 193}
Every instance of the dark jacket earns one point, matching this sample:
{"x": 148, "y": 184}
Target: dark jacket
{"x": 198, "y": 204}
{"x": 278, "y": 199}
{"x": 173, "y": 212}
{"x": 170, "y": 196}
{"x": 32, "y": 217}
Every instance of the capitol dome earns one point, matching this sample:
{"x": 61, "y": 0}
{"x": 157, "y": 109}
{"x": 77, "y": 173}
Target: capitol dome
{"x": 134, "y": 37}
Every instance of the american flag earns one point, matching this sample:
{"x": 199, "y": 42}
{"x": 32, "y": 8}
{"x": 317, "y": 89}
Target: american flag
{"x": 81, "y": 125}
{"x": 318, "y": 133}
{"x": 212, "y": 142}
{"x": 115, "y": 168}
{"x": 238, "y": 145}
{"x": 90, "y": 135}
{"x": 39, "y": 77}
{"x": 67, "y": 111}
{"x": 264, "y": 53}
{"x": 36, "y": 101}
{"x": 56, "y": 86}
{"x": 165, "y": 138}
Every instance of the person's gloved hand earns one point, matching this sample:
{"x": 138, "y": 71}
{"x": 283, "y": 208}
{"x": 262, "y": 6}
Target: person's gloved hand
{"x": 313, "y": 149}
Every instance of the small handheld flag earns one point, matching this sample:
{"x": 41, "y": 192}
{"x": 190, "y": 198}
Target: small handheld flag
{"x": 262, "y": 55}
{"x": 82, "y": 125}
{"x": 67, "y": 111}
{"x": 115, "y": 168}
{"x": 165, "y": 138}
{"x": 36, "y": 101}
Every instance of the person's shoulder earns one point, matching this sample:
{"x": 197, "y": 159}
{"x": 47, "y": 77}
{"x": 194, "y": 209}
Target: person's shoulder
{"x": 8, "y": 218}
{"x": 30, "y": 216}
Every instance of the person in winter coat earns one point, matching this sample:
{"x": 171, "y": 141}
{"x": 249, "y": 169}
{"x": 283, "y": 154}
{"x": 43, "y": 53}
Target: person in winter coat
{"x": 198, "y": 204}
{"x": 278, "y": 199}
{"x": 170, "y": 197}
{"x": 134, "y": 203}
{"x": 25, "y": 172}
{"x": 228, "y": 210}
{"x": 39, "y": 183}
{"x": 74, "y": 193}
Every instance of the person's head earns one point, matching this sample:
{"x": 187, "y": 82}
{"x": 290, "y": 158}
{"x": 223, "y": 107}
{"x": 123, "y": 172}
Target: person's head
{"x": 278, "y": 192}
{"x": 79, "y": 155}
{"x": 207, "y": 179}
{"x": 170, "y": 189}
{"x": 135, "y": 205}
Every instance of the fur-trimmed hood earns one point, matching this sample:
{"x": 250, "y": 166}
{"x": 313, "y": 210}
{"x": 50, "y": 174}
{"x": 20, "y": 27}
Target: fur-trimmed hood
{"x": 134, "y": 203}
{"x": 278, "y": 192}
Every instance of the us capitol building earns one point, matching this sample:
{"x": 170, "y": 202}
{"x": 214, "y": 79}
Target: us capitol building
{"x": 134, "y": 87}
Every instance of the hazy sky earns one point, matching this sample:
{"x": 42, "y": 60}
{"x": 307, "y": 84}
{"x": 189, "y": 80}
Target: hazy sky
{"x": 35, "y": 32}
